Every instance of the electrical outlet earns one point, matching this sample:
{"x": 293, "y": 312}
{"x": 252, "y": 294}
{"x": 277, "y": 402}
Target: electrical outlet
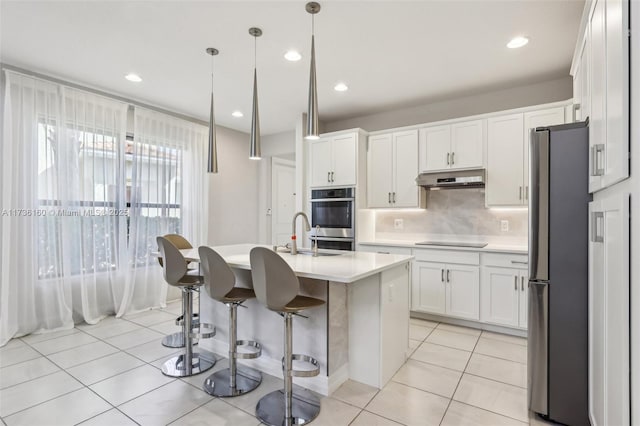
{"x": 398, "y": 224}
{"x": 504, "y": 225}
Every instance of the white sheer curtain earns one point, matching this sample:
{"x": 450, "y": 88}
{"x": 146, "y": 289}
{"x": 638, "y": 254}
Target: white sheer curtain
{"x": 63, "y": 239}
{"x": 169, "y": 194}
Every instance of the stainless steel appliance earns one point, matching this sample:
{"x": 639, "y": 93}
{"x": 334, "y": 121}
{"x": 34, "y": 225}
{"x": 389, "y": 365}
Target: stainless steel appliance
{"x": 558, "y": 273}
{"x": 333, "y": 218}
{"x": 452, "y": 180}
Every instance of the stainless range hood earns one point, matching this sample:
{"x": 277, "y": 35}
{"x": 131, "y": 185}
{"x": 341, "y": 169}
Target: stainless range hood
{"x": 454, "y": 179}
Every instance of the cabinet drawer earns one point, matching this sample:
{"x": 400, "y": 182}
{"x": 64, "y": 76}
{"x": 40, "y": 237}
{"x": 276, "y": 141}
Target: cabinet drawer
{"x": 518, "y": 261}
{"x": 385, "y": 249}
{"x": 447, "y": 256}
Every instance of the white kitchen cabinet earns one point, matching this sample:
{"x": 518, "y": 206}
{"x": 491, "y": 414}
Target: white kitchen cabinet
{"x": 609, "y": 295}
{"x": 505, "y": 160}
{"x": 581, "y": 81}
{"x": 463, "y": 291}
{"x": 508, "y": 154}
{"x": 467, "y": 146}
{"x": 332, "y": 161}
{"x": 504, "y": 296}
{"x": 454, "y": 146}
{"x": 609, "y": 93}
{"x": 392, "y": 166}
{"x": 428, "y": 287}
{"x": 446, "y": 289}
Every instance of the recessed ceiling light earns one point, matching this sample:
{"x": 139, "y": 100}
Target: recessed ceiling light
{"x": 340, "y": 87}
{"x": 517, "y": 42}
{"x": 237, "y": 114}
{"x": 133, "y": 77}
{"x": 292, "y": 55}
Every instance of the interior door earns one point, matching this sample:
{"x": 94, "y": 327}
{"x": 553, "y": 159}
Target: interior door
{"x": 467, "y": 144}
{"x": 500, "y": 296}
{"x": 283, "y": 200}
{"x": 379, "y": 171}
{"x": 463, "y": 291}
{"x": 405, "y": 169}
{"x": 435, "y": 148}
{"x": 430, "y": 281}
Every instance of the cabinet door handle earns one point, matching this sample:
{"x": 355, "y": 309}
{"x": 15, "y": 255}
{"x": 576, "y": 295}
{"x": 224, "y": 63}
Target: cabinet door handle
{"x": 448, "y": 158}
{"x": 576, "y": 107}
{"x": 329, "y": 177}
{"x": 597, "y": 227}
{"x": 597, "y": 160}
{"x": 448, "y": 280}
{"x": 442, "y": 275}
{"x": 453, "y": 158}
{"x": 389, "y": 197}
{"x": 515, "y": 283}
{"x": 394, "y": 197}
{"x": 520, "y": 262}
{"x": 522, "y": 283}
{"x": 332, "y": 179}
{"x": 520, "y": 193}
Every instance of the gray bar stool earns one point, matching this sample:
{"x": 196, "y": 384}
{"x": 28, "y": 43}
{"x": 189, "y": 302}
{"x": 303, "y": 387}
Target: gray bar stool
{"x": 176, "y": 273}
{"x": 220, "y": 284}
{"x": 277, "y": 287}
{"x": 176, "y": 340}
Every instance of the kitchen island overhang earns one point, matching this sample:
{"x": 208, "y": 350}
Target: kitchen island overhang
{"x": 361, "y": 333}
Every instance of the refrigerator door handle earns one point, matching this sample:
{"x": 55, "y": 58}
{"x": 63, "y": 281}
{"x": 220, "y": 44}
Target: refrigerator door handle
{"x": 539, "y": 205}
{"x": 538, "y": 347}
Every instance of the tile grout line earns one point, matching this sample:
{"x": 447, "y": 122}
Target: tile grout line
{"x": 459, "y": 380}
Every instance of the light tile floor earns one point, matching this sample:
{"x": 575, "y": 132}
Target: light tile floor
{"x": 108, "y": 374}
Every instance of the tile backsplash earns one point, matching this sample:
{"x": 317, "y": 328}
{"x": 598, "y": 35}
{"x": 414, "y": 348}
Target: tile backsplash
{"x": 455, "y": 212}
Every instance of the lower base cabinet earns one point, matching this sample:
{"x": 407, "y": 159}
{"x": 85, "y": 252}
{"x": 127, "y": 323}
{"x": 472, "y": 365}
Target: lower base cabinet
{"x": 504, "y": 296}
{"x": 446, "y": 289}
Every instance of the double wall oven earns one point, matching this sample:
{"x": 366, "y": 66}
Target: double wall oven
{"x": 333, "y": 216}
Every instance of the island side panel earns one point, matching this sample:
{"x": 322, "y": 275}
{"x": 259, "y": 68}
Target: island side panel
{"x": 378, "y": 310}
{"x": 338, "y": 332}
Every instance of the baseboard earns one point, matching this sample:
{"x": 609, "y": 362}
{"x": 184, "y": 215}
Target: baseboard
{"x": 321, "y": 384}
{"x": 471, "y": 324}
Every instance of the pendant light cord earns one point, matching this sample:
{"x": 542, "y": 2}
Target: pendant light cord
{"x": 313, "y": 25}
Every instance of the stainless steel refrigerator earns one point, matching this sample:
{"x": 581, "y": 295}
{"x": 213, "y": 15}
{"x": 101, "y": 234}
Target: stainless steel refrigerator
{"x": 558, "y": 273}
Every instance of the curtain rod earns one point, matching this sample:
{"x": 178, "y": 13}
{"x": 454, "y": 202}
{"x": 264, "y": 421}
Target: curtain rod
{"x": 10, "y": 67}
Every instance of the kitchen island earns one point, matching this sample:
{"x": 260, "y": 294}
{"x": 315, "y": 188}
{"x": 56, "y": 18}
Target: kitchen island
{"x": 361, "y": 333}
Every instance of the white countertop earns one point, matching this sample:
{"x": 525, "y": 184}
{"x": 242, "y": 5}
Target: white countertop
{"x": 346, "y": 267}
{"x": 491, "y": 247}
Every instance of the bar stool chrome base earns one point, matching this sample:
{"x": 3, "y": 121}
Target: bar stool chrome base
{"x": 305, "y": 407}
{"x": 218, "y": 384}
{"x": 175, "y": 340}
{"x": 200, "y": 362}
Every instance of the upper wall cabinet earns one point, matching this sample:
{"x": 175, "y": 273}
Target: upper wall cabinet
{"x": 508, "y": 154}
{"x": 332, "y": 161}
{"x": 604, "y": 64}
{"x": 454, "y": 146}
{"x": 392, "y": 166}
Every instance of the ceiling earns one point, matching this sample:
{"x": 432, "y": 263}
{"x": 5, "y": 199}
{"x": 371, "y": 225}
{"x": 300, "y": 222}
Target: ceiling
{"x": 390, "y": 53}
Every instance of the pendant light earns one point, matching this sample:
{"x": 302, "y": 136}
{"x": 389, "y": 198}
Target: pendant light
{"x": 312, "y": 111}
{"x": 212, "y": 157}
{"x": 255, "y": 152}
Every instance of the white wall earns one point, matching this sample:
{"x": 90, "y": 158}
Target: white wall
{"x": 498, "y": 100}
{"x": 233, "y": 197}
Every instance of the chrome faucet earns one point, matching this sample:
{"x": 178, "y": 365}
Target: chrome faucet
{"x": 315, "y": 241}
{"x": 294, "y": 244}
